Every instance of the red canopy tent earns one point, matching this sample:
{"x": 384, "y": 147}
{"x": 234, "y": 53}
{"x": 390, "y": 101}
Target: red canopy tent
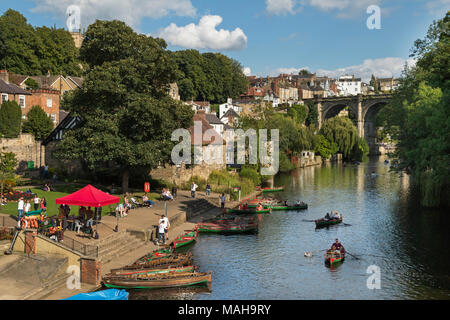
{"x": 89, "y": 197}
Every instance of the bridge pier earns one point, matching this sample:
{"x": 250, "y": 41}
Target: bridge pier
{"x": 360, "y": 118}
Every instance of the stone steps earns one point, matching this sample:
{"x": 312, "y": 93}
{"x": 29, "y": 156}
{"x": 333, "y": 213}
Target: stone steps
{"x": 118, "y": 244}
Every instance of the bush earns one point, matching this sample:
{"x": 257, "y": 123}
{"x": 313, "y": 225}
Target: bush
{"x": 8, "y": 185}
{"x": 38, "y": 123}
{"x": 251, "y": 174}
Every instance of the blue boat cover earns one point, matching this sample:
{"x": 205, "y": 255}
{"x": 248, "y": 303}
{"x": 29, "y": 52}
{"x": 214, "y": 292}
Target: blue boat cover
{"x": 110, "y": 294}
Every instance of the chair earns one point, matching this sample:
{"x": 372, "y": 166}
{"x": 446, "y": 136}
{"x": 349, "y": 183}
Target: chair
{"x": 78, "y": 226}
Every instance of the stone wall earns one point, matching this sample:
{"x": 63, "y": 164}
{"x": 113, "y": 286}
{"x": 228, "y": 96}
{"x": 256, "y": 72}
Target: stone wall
{"x": 181, "y": 174}
{"x": 26, "y": 148}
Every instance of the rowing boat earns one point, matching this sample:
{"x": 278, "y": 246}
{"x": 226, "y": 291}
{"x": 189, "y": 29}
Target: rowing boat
{"x": 320, "y": 223}
{"x": 249, "y": 211}
{"x": 333, "y": 258}
{"x": 286, "y": 208}
{"x": 158, "y": 281}
{"x": 276, "y": 189}
{"x": 185, "y": 239}
{"x": 159, "y": 262}
{"x": 169, "y": 269}
{"x": 228, "y": 229}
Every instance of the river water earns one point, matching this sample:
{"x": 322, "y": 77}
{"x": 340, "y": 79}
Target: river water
{"x": 386, "y": 232}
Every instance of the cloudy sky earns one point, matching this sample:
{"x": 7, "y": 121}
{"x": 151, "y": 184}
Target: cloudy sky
{"x": 267, "y": 37}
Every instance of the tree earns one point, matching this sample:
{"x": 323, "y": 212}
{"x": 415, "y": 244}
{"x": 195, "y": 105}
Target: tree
{"x": 342, "y": 132}
{"x": 324, "y": 147}
{"x": 128, "y": 117}
{"x": 38, "y": 123}
{"x": 298, "y": 112}
{"x": 8, "y": 164}
{"x": 418, "y": 117}
{"x": 373, "y": 83}
{"x": 31, "y": 83}
{"x": 10, "y": 119}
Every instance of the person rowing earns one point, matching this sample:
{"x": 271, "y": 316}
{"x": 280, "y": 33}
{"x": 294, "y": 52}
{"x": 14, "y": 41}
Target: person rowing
{"x": 259, "y": 207}
{"x": 338, "y": 246}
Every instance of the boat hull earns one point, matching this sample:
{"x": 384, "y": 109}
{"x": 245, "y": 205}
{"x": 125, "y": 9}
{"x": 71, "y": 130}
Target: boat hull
{"x": 325, "y": 223}
{"x": 289, "y": 208}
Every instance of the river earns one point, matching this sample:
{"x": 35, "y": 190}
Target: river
{"x": 385, "y": 231}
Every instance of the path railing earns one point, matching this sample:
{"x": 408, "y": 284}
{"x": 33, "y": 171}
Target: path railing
{"x": 85, "y": 249}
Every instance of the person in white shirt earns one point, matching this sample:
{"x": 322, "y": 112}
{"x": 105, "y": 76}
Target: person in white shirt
{"x": 37, "y": 201}
{"x": 20, "y": 206}
{"x": 193, "y": 189}
{"x": 161, "y": 231}
{"x": 166, "y": 223}
{"x": 27, "y": 206}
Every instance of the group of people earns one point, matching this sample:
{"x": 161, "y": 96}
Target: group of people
{"x": 24, "y": 206}
{"x": 333, "y": 215}
{"x": 166, "y": 194}
{"x": 336, "y": 248}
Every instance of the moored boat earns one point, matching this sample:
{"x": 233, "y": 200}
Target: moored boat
{"x": 227, "y": 228}
{"x": 169, "y": 269}
{"x": 286, "y": 208}
{"x": 157, "y": 281}
{"x": 249, "y": 211}
{"x": 159, "y": 262}
{"x": 185, "y": 239}
{"x": 320, "y": 223}
{"x": 275, "y": 189}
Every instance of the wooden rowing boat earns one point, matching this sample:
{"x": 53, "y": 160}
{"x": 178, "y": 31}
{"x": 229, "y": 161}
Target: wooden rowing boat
{"x": 249, "y": 211}
{"x": 169, "y": 269}
{"x": 185, "y": 239}
{"x": 159, "y": 262}
{"x": 334, "y": 258}
{"x": 286, "y": 208}
{"x": 320, "y": 223}
{"x": 276, "y": 189}
{"x": 227, "y": 228}
{"x": 158, "y": 281}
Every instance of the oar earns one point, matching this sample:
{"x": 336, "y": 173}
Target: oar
{"x": 346, "y": 224}
{"x": 308, "y": 220}
{"x": 310, "y": 252}
{"x": 352, "y": 255}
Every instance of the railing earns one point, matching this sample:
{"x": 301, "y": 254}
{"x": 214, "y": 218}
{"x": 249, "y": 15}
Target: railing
{"x": 85, "y": 249}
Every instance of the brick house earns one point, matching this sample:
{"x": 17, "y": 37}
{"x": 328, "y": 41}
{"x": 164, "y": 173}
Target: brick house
{"x": 12, "y": 92}
{"x": 48, "y": 99}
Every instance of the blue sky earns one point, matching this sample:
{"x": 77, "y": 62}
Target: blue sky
{"x": 266, "y": 36}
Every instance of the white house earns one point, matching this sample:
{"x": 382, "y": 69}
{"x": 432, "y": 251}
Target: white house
{"x": 271, "y": 97}
{"x": 223, "y": 108}
{"x": 349, "y": 86}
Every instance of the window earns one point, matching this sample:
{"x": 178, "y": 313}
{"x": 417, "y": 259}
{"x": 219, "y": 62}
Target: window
{"x": 53, "y": 117}
{"x": 22, "y": 102}
{"x": 4, "y": 97}
{"x": 49, "y": 103}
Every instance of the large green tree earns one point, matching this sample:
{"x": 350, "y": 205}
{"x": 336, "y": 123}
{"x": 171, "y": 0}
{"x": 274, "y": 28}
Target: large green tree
{"x": 341, "y": 132}
{"x": 128, "y": 117}
{"x": 8, "y": 164}
{"x": 35, "y": 51}
{"x": 37, "y": 123}
{"x": 418, "y": 116}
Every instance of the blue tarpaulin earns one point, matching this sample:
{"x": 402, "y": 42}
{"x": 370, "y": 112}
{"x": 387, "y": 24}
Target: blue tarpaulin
{"x": 110, "y": 294}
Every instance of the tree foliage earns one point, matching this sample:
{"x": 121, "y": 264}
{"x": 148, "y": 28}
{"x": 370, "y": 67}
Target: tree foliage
{"x": 418, "y": 116}
{"x": 10, "y": 119}
{"x": 342, "y": 132}
{"x": 128, "y": 117}
{"x": 208, "y": 76}
{"x": 38, "y": 123}
{"x": 35, "y": 51}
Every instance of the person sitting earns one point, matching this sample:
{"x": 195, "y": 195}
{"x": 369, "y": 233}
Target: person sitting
{"x": 332, "y": 215}
{"x": 82, "y": 213}
{"x": 120, "y": 209}
{"x": 285, "y": 203}
{"x": 47, "y": 188}
{"x": 259, "y": 207}
{"x": 298, "y": 203}
{"x": 337, "y": 245}
{"x": 166, "y": 195}
{"x": 327, "y": 216}
{"x": 147, "y": 201}
{"x": 89, "y": 217}
{"x": 245, "y": 207}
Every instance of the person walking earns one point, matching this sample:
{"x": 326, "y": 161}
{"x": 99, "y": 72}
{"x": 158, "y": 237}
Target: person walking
{"x": 194, "y": 187}
{"x": 166, "y": 222}
{"x": 20, "y": 207}
{"x": 27, "y": 206}
{"x": 208, "y": 190}
{"x": 161, "y": 232}
{"x": 222, "y": 201}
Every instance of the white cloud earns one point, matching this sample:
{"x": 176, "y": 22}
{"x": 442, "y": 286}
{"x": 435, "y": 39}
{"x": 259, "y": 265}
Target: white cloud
{"x": 382, "y": 68}
{"x": 281, "y": 7}
{"x": 129, "y": 11}
{"x": 438, "y": 7}
{"x": 247, "y": 71}
{"x": 204, "y": 35}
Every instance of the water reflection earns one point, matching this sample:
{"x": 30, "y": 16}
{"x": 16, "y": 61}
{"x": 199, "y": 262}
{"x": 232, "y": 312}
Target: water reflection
{"x": 388, "y": 229}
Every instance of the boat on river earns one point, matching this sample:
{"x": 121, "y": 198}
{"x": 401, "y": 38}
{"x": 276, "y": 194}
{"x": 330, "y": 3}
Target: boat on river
{"x": 335, "y": 257}
{"x": 250, "y": 211}
{"x": 320, "y": 223}
{"x": 160, "y": 262}
{"x": 158, "y": 281}
{"x": 275, "y": 189}
{"x": 185, "y": 239}
{"x": 286, "y": 208}
{"x": 222, "y": 228}
{"x": 169, "y": 269}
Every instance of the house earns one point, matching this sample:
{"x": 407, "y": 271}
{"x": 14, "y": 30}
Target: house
{"x": 48, "y": 100}
{"x": 253, "y": 93}
{"x": 223, "y": 108}
{"x": 387, "y": 84}
{"x": 305, "y": 92}
{"x": 349, "y": 86}
{"x": 12, "y": 92}
{"x": 213, "y": 121}
{"x": 230, "y": 117}
{"x": 273, "y": 98}
{"x": 200, "y": 105}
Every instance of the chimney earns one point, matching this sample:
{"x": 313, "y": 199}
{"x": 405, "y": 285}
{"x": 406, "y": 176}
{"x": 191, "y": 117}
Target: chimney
{"x": 202, "y": 114}
{"x": 4, "y": 75}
